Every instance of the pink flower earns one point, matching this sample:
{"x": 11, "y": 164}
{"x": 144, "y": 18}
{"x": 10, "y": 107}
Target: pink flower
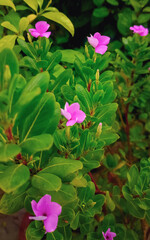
{"x": 109, "y": 235}
{"x": 99, "y": 42}
{"x": 142, "y": 31}
{"x": 47, "y": 211}
{"x": 40, "y": 30}
{"x": 73, "y": 114}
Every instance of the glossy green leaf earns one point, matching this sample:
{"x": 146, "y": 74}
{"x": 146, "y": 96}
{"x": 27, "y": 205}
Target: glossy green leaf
{"x": 32, "y": 233}
{"x": 37, "y": 122}
{"x": 9, "y": 26}
{"x": 46, "y": 181}
{"x": 23, "y": 24}
{"x": 8, "y": 3}
{"x": 8, "y": 41}
{"x": 100, "y": 12}
{"x": 37, "y": 143}
{"x": 69, "y": 56}
{"x": 18, "y": 175}
{"x": 33, "y": 4}
{"x": 62, "y": 167}
{"x": 61, "y": 19}
{"x": 8, "y": 151}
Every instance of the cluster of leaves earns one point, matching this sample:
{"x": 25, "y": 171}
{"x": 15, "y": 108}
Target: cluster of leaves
{"x": 38, "y": 152}
{"x": 17, "y": 19}
{"x": 39, "y": 155}
{"x": 112, "y": 17}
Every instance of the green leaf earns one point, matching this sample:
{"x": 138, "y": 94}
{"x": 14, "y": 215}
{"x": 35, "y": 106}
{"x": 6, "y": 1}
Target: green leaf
{"x": 106, "y": 113}
{"x": 143, "y": 18}
{"x": 18, "y": 175}
{"x": 46, "y": 181}
{"x": 110, "y": 202}
{"x": 27, "y": 48}
{"x": 67, "y": 215}
{"x": 7, "y": 57}
{"x": 8, "y": 25}
{"x": 146, "y": 9}
{"x": 100, "y": 12}
{"x": 70, "y": 55}
{"x": 65, "y": 195}
{"x": 54, "y": 236}
{"x": 62, "y": 167}
{"x": 37, "y": 85}
{"x": 8, "y": 3}
{"x": 37, "y": 122}
{"x": 40, "y": 3}
{"x": 53, "y": 60}
{"x": 124, "y": 21}
{"x": 8, "y": 41}
{"x": 132, "y": 176}
{"x": 84, "y": 96}
{"x": 61, "y": 19}
{"x": 37, "y": 143}
{"x": 135, "y": 210}
{"x": 32, "y": 233}
{"x": 8, "y": 151}
{"x": 61, "y": 80}
{"x": 33, "y": 4}
{"x": 13, "y": 202}
{"x": 113, "y": 2}
{"x": 23, "y": 24}
{"x": 68, "y": 92}
{"x": 98, "y": 3}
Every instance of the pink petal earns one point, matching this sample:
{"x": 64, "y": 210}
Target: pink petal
{"x": 70, "y": 122}
{"x": 66, "y": 114}
{"x": 113, "y": 234}
{"x": 42, "y": 26}
{"x": 43, "y": 205}
{"x": 39, "y": 218}
{"x": 101, "y": 49}
{"x": 73, "y": 108}
{"x": 92, "y": 41}
{"x": 55, "y": 208}
{"x": 47, "y": 34}
{"x": 51, "y": 223}
{"x": 104, "y": 40}
{"x": 34, "y": 32}
{"x": 97, "y": 35}
{"x": 34, "y": 208}
{"x": 80, "y": 116}
{"x": 66, "y": 106}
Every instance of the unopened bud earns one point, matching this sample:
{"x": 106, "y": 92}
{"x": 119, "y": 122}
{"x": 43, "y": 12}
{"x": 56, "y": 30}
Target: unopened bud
{"x": 7, "y": 75}
{"x": 68, "y": 132}
{"x": 86, "y": 51}
{"x": 99, "y": 130}
{"x": 29, "y": 38}
{"x": 97, "y": 76}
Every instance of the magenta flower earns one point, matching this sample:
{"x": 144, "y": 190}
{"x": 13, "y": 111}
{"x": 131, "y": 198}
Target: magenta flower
{"x": 99, "y": 42}
{"x": 142, "y": 31}
{"x": 40, "y": 30}
{"x": 73, "y": 114}
{"x": 47, "y": 211}
{"x": 109, "y": 235}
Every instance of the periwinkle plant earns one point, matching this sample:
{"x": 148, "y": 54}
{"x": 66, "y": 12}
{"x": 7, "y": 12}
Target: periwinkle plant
{"x": 47, "y": 162}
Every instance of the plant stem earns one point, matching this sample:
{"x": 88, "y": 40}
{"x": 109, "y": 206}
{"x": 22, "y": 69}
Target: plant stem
{"x": 97, "y": 190}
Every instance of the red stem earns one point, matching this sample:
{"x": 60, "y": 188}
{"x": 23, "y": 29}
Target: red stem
{"x": 97, "y": 190}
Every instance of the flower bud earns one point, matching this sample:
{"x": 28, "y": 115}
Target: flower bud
{"x": 97, "y": 76}
{"x": 86, "y": 51}
{"x": 7, "y": 75}
{"x": 68, "y": 132}
{"x": 29, "y": 38}
{"x": 99, "y": 130}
